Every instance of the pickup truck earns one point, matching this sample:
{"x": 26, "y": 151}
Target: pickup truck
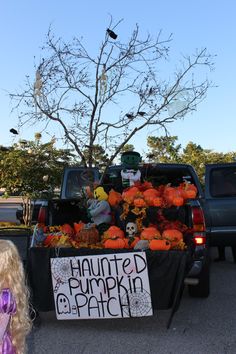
{"x": 219, "y": 204}
{"x": 70, "y": 207}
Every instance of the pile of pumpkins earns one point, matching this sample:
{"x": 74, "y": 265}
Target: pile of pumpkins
{"x": 114, "y": 238}
{"x": 139, "y": 196}
{"x": 144, "y": 195}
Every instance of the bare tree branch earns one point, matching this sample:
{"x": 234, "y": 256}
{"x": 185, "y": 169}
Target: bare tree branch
{"x": 106, "y": 99}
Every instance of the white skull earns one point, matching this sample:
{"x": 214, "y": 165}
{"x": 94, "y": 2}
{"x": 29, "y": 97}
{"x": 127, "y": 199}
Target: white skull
{"x": 131, "y": 229}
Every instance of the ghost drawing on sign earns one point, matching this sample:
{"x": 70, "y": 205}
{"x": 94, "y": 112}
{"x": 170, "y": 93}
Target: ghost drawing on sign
{"x": 63, "y": 304}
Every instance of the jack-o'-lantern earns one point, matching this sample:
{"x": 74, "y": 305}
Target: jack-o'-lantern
{"x": 139, "y": 202}
{"x": 172, "y": 235}
{"x": 157, "y": 201}
{"x": 149, "y": 233}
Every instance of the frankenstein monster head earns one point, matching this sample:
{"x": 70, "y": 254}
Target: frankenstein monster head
{"x": 130, "y": 159}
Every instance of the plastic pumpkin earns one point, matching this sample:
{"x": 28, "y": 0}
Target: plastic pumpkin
{"x": 114, "y": 243}
{"x": 172, "y": 235}
{"x": 157, "y": 201}
{"x": 189, "y": 190}
{"x": 149, "y": 233}
{"x": 67, "y": 229}
{"x": 169, "y": 194}
{"x": 178, "y": 201}
{"x": 150, "y": 194}
{"x": 78, "y": 226}
{"x": 161, "y": 245}
{"x": 129, "y": 194}
{"x": 51, "y": 240}
{"x": 139, "y": 202}
{"x": 114, "y": 231}
{"x": 114, "y": 198}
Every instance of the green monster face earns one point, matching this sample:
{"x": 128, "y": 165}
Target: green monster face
{"x": 130, "y": 159}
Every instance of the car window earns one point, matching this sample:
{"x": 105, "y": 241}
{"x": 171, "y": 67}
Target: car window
{"x": 77, "y": 180}
{"x": 223, "y": 182}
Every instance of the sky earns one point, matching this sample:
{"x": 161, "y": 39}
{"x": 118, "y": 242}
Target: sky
{"x": 194, "y": 24}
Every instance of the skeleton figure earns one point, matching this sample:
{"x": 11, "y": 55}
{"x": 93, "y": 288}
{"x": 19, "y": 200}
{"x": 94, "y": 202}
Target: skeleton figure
{"x": 131, "y": 229}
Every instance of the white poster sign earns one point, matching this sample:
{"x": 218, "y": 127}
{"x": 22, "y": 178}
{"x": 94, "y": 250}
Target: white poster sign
{"x": 101, "y": 286}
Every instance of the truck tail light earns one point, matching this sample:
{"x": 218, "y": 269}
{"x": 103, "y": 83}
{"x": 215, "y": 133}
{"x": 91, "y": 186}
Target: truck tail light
{"x": 198, "y": 219}
{"x": 199, "y": 239}
{"x": 42, "y": 215}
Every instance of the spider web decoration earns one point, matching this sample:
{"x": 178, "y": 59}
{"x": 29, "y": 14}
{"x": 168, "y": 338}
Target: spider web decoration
{"x": 61, "y": 271}
{"x": 139, "y": 303}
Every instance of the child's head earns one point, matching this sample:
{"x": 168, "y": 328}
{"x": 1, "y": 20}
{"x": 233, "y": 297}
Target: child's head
{"x": 12, "y": 276}
{"x": 10, "y": 263}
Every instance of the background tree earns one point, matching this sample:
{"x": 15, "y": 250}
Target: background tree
{"x": 166, "y": 149}
{"x": 31, "y": 169}
{"x": 198, "y": 157}
{"x": 163, "y": 149}
{"x": 76, "y": 90}
{"x": 99, "y": 156}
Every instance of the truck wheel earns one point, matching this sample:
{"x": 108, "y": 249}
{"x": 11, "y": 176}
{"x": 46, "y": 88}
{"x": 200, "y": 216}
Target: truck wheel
{"x": 203, "y": 287}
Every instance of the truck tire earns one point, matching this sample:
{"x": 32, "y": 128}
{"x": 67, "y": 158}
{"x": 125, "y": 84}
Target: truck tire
{"x": 203, "y": 287}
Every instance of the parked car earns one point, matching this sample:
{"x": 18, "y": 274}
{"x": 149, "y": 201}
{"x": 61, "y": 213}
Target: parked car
{"x": 36, "y": 207}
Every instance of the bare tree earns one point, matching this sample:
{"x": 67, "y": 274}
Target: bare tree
{"x": 74, "y": 89}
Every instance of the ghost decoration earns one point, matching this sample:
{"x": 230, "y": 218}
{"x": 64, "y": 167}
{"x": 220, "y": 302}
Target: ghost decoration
{"x": 63, "y": 304}
{"x": 131, "y": 229}
{"x": 103, "y": 81}
{"x": 38, "y": 84}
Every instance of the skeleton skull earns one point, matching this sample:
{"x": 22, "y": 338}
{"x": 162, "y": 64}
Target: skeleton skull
{"x": 131, "y": 229}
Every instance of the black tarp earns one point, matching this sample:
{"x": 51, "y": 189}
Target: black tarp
{"x": 166, "y": 271}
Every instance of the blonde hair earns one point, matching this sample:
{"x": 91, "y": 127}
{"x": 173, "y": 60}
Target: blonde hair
{"x": 12, "y": 276}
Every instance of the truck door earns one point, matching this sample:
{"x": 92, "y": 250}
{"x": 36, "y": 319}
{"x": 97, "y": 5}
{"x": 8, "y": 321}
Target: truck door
{"x": 220, "y": 199}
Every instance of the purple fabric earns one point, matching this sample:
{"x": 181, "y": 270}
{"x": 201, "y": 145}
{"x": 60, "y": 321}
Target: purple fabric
{"x": 7, "y": 302}
{"x": 7, "y": 305}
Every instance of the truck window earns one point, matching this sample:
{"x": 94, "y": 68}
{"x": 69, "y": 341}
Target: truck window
{"x": 223, "y": 182}
{"x": 77, "y": 181}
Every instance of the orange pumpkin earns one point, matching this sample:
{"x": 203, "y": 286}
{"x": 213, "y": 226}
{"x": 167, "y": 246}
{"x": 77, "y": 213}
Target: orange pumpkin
{"x": 157, "y": 201}
{"x": 114, "y": 232}
{"x": 172, "y": 235}
{"x": 163, "y": 245}
{"x": 189, "y": 190}
{"x": 150, "y": 194}
{"x": 78, "y": 226}
{"x": 169, "y": 193}
{"x": 139, "y": 202}
{"x": 178, "y": 201}
{"x": 114, "y": 198}
{"x": 114, "y": 243}
{"x": 150, "y": 233}
{"x": 67, "y": 229}
{"x": 129, "y": 194}
{"x": 190, "y": 194}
